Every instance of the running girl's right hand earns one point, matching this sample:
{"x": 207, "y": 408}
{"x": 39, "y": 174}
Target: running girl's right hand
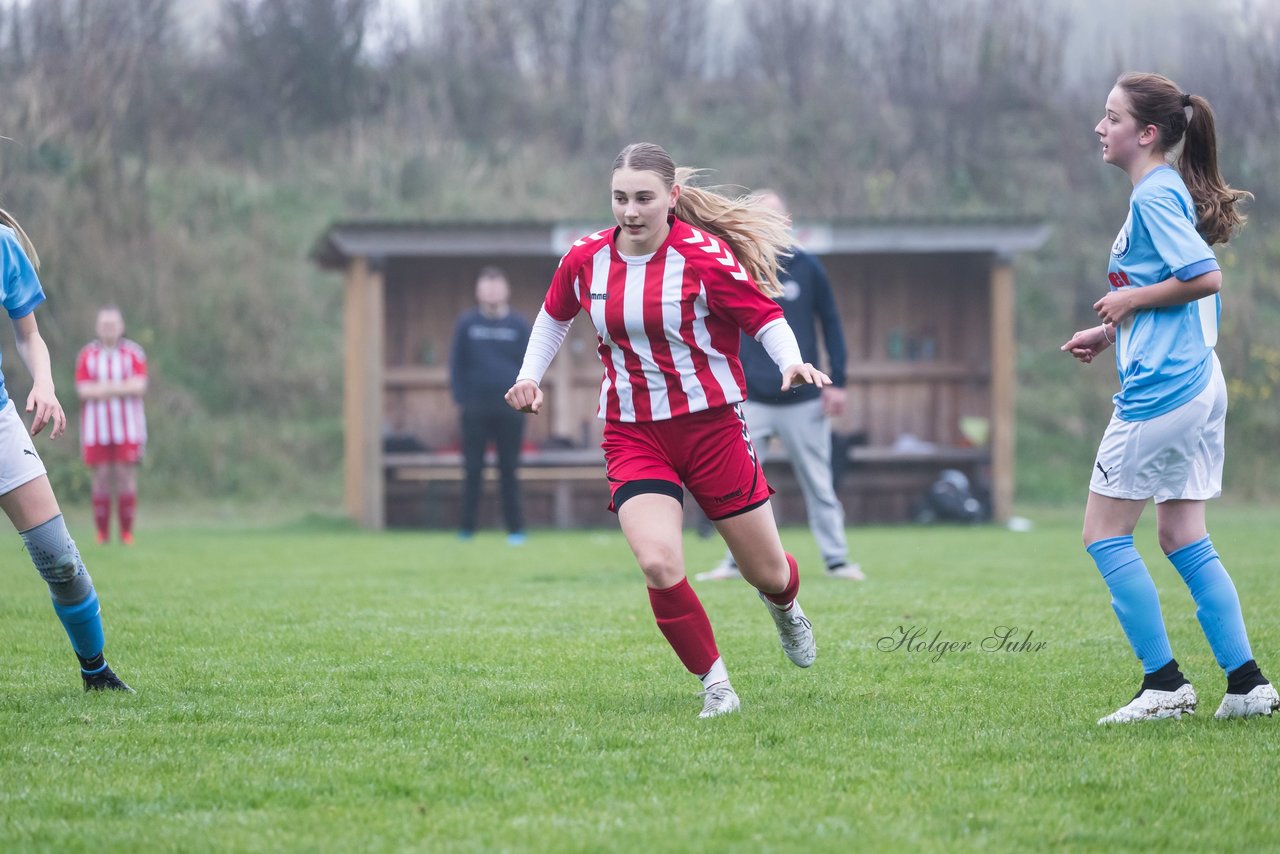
{"x": 1087, "y": 343}
{"x": 525, "y": 396}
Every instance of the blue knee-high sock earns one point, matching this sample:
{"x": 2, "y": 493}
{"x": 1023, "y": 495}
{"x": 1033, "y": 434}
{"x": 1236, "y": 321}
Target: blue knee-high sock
{"x": 83, "y": 623}
{"x": 1134, "y": 599}
{"x": 1217, "y": 604}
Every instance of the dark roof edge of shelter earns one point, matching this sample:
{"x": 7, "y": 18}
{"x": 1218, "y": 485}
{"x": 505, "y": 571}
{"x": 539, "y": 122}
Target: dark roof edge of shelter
{"x": 1002, "y": 235}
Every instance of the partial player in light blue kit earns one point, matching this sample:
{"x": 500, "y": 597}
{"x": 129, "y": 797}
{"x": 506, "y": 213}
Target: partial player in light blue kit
{"x": 1166, "y": 437}
{"x": 25, "y": 494}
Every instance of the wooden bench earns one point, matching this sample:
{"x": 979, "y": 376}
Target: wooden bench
{"x": 563, "y": 468}
{"x": 878, "y": 483}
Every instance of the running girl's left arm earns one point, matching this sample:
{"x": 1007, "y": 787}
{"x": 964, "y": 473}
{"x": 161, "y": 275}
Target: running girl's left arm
{"x": 42, "y": 401}
{"x": 740, "y": 301}
{"x": 779, "y": 341}
{"x": 1120, "y": 303}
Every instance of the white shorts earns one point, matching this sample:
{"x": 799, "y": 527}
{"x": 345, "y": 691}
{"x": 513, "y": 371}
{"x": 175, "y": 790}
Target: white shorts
{"x": 19, "y": 462}
{"x": 1177, "y": 455}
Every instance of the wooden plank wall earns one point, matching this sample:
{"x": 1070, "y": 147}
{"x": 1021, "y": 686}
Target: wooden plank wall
{"x": 918, "y": 332}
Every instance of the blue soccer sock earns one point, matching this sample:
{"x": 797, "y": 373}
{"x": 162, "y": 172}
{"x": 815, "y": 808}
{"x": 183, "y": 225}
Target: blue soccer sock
{"x": 1217, "y": 604}
{"x": 1134, "y": 599}
{"x": 83, "y": 623}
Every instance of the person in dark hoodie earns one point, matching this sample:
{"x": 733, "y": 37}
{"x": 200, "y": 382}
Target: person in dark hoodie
{"x": 488, "y": 347}
{"x": 801, "y": 417}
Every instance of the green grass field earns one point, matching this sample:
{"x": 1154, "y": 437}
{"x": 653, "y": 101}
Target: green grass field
{"x": 312, "y": 687}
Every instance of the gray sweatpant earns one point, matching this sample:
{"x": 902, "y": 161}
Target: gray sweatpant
{"x": 805, "y": 432}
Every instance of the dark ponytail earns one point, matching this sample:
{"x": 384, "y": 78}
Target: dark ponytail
{"x": 1215, "y": 199}
{"x": 1157, "y": 100}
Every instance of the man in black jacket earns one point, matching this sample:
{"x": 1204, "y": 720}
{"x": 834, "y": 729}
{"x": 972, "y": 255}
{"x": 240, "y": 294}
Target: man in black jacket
{"x": 488, "y": 347}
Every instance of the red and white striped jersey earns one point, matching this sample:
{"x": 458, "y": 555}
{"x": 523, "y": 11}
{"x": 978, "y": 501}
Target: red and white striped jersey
{"x": 117, "y": 420}
{"x": 667, "y": 324}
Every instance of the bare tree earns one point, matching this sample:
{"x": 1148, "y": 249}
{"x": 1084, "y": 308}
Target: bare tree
{"x": 294, "y": 64}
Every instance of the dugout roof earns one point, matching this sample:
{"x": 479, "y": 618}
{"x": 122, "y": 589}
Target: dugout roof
{"x": 344, "y": 241}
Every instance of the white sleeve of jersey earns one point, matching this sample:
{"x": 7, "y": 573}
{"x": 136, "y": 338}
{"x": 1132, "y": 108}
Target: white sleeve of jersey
{"x": 545, "y": 339}
{"x": 779, "y": 341}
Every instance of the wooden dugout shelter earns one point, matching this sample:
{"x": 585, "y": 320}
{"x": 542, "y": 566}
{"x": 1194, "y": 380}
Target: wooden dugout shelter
{"x": 928, "y": 311}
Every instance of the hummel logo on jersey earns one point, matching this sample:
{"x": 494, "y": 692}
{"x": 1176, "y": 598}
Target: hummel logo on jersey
{"x": 1105, "y": 472}
{"x": 599, "y": 294}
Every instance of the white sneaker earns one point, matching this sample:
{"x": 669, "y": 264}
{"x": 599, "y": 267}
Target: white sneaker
{"x": 719, "y": 572}
{"x": 794, "y": 632}
{"x": 1152, "y": 705}
{"x": 1262, "y": 700}
{"x": 851, "y": 571}
{"x": 721, "y": 699}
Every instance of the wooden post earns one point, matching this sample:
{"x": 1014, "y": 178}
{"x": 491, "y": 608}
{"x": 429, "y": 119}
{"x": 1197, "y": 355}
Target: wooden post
{"x": 362, "y": 394}
{"x": 1003, "y": 377}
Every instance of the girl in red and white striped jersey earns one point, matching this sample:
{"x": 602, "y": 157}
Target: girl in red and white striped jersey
{"x": 668, "y": 290}
{"x": 111, "y": 378}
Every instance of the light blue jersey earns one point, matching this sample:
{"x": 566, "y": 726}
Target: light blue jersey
{"x": 20, "y": 289}
{"x": 1164, "y": 355}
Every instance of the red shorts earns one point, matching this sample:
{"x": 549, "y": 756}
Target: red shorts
{"x": 129, "y": 453}
{"x": 709, "y": 452}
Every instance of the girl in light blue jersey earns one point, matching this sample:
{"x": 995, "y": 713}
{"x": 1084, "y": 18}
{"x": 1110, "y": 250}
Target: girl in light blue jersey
{"x": 25, "y": 494}
{"x": 1165, "y": 440}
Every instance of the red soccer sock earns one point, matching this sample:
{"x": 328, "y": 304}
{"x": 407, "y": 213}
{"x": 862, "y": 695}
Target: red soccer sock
{"x": 784, "y": 599}
{"x": 128, "y": 506}
{"x": 102, "y": 515}
{"x": 684, "y": 623}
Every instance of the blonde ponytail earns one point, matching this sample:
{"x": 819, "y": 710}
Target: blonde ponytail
{"x": 759, "y": 236}
{"x": 8, "y": 219}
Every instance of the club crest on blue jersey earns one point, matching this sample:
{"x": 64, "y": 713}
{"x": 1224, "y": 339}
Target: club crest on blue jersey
{"x": 1121, "y": 246}
{"x": 790, "y": 290}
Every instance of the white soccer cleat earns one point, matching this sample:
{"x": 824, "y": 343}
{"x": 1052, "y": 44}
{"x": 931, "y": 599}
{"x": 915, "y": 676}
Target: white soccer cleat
{"x": 1153, "y": 705}
{"x": 1262, "y": 700}
{"x": 851, "y": 571}
{"x": 721, "y": 699}
{"x": 795, "y": 632}
{"x": 719, "y": 572}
